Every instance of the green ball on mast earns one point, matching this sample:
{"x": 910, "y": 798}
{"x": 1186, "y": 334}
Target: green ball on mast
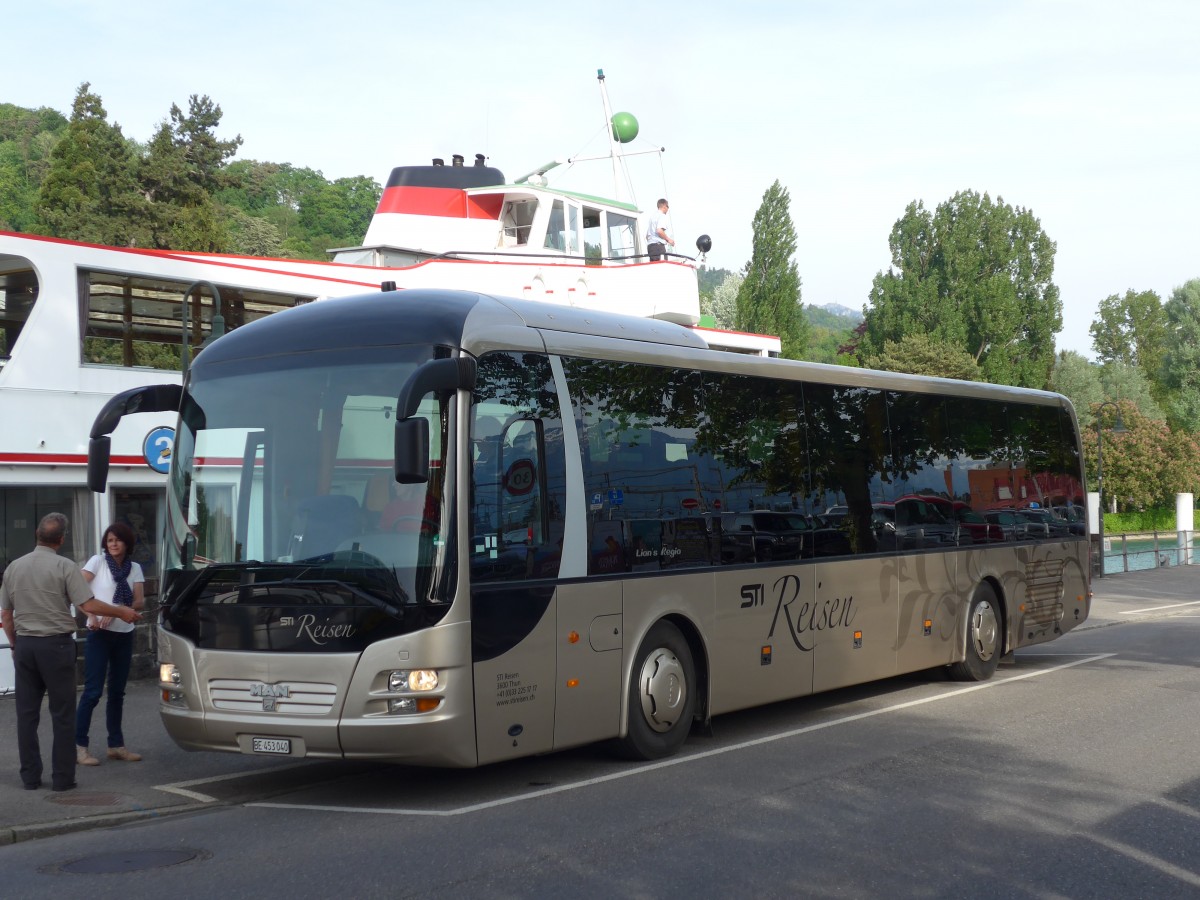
{"x": 624, "y": 127}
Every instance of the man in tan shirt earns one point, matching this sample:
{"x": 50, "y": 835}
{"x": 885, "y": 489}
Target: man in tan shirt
{"x": 35, "y": 607}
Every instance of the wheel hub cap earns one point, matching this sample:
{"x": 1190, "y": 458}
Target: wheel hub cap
{"x": 663, "y": 689}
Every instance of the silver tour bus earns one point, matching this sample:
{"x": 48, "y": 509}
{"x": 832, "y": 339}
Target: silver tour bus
{"x": 447, "y": 528}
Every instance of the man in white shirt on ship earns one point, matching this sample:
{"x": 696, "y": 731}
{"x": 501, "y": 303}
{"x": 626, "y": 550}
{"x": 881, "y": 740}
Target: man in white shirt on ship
{"x": 658, "y": 235}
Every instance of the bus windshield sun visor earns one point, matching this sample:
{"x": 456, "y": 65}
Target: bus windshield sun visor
{"x": 148, "y": 398}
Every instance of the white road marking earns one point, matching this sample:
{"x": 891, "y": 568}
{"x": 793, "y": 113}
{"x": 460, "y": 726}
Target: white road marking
{"x": 1135, "y": 612}
{"x": 682, "y": 760}
{"x": 181, "y": 787}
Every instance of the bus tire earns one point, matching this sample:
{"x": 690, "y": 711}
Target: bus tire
{"x": 985, "y": 638}
{"x": 662, "y": 695}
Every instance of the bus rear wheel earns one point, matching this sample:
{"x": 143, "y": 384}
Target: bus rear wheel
{"x": 985, "y": 638}
{"x": 662, "y": 696}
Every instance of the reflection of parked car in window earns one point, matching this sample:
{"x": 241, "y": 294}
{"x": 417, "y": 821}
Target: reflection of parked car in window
{"x": 974, "y": 527}
{"x": 834, "y": 516}
{"x": 767, "y": 535}
{"x": 1013, "y": 526}
{"x": 924, "y": 521}
{"x": 1074, "y": 517}
{"x": 1043, "y": 524}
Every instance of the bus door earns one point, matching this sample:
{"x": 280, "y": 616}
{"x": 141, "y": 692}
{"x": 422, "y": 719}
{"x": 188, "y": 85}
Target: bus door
{"x": 517, "y": 503}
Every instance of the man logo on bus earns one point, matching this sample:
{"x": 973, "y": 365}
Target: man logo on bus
{"x": 806, "y": 617}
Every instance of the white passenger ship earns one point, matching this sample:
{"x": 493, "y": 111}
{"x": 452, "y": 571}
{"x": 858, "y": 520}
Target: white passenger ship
{"x": 80, "y": 323}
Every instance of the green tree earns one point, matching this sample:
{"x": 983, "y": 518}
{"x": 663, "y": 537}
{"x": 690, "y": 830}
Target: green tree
{"x": 27, "y": 138}
{"x": 1078, "y": 379}
{"x": 920, "y": 354}
{"x": 1131, "y": 330}
{"x": 1144, "y": 466}
{"x": 90, "y": 192}
{"x": 1122, "y": 381}
{"x": 1181, "y": 356}
{"x": 338, "y": 213}
{"x": 708, "y": 280}
{"x": 253, "y": 235}
{"x": 828, "y": 333}
{"x": 768, "y": 301}
{"x": 179, "y": 174}
{"x": 976, "y": 275}
{"x": 722, "y": 303}
{"x": 301, "y": 205}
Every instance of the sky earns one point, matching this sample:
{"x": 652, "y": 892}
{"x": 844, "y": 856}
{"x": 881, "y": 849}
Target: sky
{"x": 1085, "y": 112}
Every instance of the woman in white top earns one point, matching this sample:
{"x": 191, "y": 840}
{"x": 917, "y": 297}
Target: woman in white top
{"x": 116, "y": 579}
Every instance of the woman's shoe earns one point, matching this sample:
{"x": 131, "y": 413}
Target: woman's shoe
{"x": 83, "y": 758}
{"x": 122, "y": 753}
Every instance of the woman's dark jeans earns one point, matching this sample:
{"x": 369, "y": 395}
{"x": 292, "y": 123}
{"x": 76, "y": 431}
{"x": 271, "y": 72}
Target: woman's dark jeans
{"x": 111, "y": 653}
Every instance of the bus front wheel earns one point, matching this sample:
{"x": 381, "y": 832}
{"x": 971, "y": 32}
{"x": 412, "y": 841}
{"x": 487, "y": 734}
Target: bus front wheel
{"x": 985, "y": 638}
{"x": 662, "y": 695}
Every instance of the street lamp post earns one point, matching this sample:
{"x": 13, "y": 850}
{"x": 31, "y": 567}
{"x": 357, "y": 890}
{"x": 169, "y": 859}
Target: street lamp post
{"x": 1118, "y": 428}
{"x": 217, "y": 326}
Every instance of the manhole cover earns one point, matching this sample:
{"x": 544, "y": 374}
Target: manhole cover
{"x": 85, "y": 798}
{"x": 129, "y": 861}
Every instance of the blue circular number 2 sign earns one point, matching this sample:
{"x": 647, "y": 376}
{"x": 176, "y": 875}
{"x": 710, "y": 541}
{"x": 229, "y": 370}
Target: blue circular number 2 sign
{"x": 157, "y": 448}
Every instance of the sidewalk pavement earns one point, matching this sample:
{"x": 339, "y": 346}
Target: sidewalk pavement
{"x": 113, "y": 792}
{"x": 169, "y": 780}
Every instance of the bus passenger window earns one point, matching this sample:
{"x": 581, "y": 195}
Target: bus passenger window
{"x": 517, "y": 470}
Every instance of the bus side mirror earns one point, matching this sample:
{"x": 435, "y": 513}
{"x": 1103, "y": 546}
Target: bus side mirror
{"x": 412, "y": 431}
{"x": 147, "y": 398}
{"x": 97, "y": 464}
{"x": 412, "y": 450}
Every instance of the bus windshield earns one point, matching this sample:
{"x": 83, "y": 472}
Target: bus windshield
{"x": 282, "y": 490}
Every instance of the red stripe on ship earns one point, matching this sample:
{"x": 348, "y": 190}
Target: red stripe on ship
{"x": 445, "y": 202}
{"x": 64, "y": 459}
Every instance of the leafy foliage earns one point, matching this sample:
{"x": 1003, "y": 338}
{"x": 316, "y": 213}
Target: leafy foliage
{"x": 768, "y": 301}
{"x": 1181, "y": 356}
{"x": 1078, "y": 379}
{"x": 976, "y": 275}
{"x": 1122, "y": 381}
{"x": 83, "y": 179}
{"x": 27, "y": 136}
{"x": 1147, "y": 464}
{"x": 1140, "y": 522}
{"x": 920, "y": 354}
{"x": 90, "y": 192}
{"x": 721, "y": 303}
{"x": 179, "y": 173}
{"x": 1130, "y": 330}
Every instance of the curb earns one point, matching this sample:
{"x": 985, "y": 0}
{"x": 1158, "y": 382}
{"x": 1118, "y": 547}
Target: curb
{"x": 15, "y": 834}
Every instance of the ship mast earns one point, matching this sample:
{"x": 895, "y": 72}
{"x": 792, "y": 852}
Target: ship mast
{"x": 620, "y": 175}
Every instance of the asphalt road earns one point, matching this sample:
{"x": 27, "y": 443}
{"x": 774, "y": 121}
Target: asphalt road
{"x": 1074, "y": 773}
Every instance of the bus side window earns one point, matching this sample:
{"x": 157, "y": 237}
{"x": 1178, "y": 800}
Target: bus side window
{"x": 517, "y": 470}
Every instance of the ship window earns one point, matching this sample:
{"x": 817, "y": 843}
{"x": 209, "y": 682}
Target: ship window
{"x": 593, "y": 236}
{"x": 556, "y": 231}
{"x": 137, "y": 320}
{"x": 22, "y": 507}
{"x": 573, "y": 214}
{"x": 622, "y": 235}
{"x": 518, "y": 219}
{"x": 18, "y": 293}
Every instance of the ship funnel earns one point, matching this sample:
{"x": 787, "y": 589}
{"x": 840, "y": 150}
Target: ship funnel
{"x": 458, "y": 160}
{"x": 479, "y": 159}
{"x": 438, "y": 161}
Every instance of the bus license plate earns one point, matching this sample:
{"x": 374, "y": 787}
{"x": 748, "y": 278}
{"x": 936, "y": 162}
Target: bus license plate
{"x": 272, "y": 745}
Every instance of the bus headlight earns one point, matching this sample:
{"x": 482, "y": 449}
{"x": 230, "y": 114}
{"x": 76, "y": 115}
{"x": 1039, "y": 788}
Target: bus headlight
{"x": 170, "y": 681}
{"x": 413, "y": 680}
